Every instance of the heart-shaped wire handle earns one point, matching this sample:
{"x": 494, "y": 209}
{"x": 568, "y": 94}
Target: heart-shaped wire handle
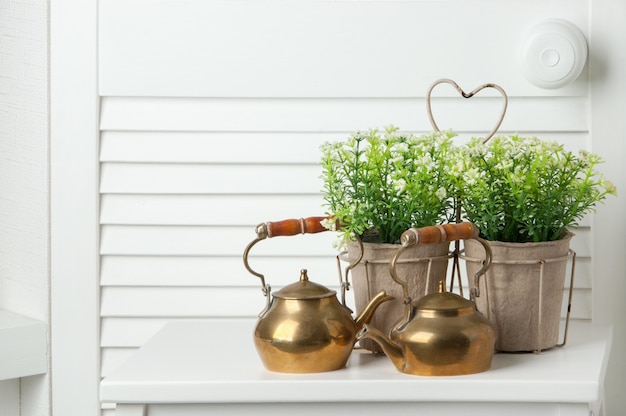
{"x": 467, "y": 95}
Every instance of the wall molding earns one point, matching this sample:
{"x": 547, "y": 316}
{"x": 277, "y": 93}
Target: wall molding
{"x": 74, "y": 214}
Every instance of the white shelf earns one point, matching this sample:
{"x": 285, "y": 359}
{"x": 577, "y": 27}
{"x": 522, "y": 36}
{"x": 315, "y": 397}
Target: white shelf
{"x": 214, "y": 362}
{"x": 22, "y": 346}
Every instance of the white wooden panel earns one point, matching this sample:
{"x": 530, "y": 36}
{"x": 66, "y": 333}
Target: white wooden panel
{"x": 185, "y": 178}
{"x": 182, "y": 302}
{"x": 583, "y": 274}
{"x": 207, "y": 241}
{"x": 214, "y": 271}
{"x": 202, "y": 178}
{"x": 211, "y": 147}
{"x": 129, "y": 332}
{"x": 229, "y": 271}
{"x": 318, "y": 48}
{"x": 229, "y": 241}
{"x": 150, "y": 209}
{"x": 114, "y": 356}
{"x": 581, "y": 243}
{"x": 581, "y": 304}
{"x": 134, "y": 332}
{"x": 205, "y": 209}
{"x": 22, "y": 346}
{"x": 478, "y": 115}
{"x": 222, "y": 147}
{"x": 10, "y": 397}
{"x": 158, "y": 302}
{"x": 73, "y": 209}
{"x": 111, "y": 358}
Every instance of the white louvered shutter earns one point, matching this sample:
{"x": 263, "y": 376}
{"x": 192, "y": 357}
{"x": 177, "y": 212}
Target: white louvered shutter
{"x": 208, "y": 129}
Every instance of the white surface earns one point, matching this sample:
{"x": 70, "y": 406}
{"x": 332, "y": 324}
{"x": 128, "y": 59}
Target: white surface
{"x": 74, "y": 295}
{"x": 10, "y": 397}
{"x": 214, "y": 362}
{"x": 553, "y": 54}
{"x": 22, "y": 346}
{"x": 338, "y": 117}
{"x": 360, "y": 408}
{"x": 607, "y": 109}
{"x": 25, "y": 182}
{"x": 317, "y": 48}
{"x": 190, "y": 96}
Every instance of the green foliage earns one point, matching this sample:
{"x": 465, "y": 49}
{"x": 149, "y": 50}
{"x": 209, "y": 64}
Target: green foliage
{"x": 513, "y": 188}
{"x": 524, "y": 189}
{"x": 378, "y": 186}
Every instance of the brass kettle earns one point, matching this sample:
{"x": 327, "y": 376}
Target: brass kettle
{"x": 441, "y": 334}
{"x": 303, "y": 327}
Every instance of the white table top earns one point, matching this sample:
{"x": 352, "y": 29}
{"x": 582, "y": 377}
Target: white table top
{"x": 216, "y": 362}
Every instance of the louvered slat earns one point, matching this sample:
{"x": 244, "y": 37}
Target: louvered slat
{"x": 213, "y": 270}
{"x": 327, "y": 115}
{"x": 275, "y": 48}
{"x": 197, "y": 148}
{"x": 202, "y": 209}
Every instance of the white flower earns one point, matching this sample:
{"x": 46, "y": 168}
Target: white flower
{"x": 426, "y": 161}
{"x": 390, "y": 128}
{"x": 472, "y": 176}
{"x": 609, "y": 186}
{"x": 339, "y": 245}
{"x": 441, "y": 193}
{"x": 504, "y": 164}
{"x": 400, "y": 147}
{"x": 329, "y": 223}
{"x": 399, "y": 185}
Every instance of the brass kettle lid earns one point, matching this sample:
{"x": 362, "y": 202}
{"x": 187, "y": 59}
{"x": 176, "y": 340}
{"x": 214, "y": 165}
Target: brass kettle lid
{"x": 444, "y": 303}
{"x": 304, "y": 289}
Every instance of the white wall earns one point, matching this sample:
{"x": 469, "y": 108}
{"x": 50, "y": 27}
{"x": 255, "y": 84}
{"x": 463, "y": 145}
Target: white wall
{"x": 608, "y": 114}
{"x": 24, "y": 177}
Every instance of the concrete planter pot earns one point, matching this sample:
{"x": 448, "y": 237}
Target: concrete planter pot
{"x": 522, "y": 292}
{"x": 423, "y": 266}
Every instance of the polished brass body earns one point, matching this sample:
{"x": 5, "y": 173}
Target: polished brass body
{"x": 441, "y": 334}
{"x": 445, "y": 335}
{"x": 306, "y": 330}
{"x": 303, "y": 327}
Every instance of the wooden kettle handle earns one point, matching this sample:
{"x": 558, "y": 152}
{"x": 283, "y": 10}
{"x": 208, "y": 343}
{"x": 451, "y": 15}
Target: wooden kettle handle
{"x": 439, "y": 233}
{"x": 310, "y": 225}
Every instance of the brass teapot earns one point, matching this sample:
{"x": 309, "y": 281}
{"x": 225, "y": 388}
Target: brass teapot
{"x": 441, "y": 334}
{"x": 303, "y": 327}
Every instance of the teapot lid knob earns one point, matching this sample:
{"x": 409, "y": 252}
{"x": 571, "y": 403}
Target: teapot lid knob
{"x": 442, "y": 286}
{"x": 304, "y": 289}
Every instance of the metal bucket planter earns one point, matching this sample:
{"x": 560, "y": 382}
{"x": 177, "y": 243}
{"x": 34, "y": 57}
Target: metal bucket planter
{"x": 423, "y": 265}
{"x": 522, "y": 292}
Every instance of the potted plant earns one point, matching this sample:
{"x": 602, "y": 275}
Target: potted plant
{"x": 523, "y": 193}
{"x": 376, "y": 186}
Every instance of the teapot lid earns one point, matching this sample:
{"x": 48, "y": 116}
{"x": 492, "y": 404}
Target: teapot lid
{"x": 444, "y": 303}
{"x": 304, "y": 289}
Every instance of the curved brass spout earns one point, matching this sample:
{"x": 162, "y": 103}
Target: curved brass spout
{"x": 390, "y": 348}
{"x": 366, "y": 315}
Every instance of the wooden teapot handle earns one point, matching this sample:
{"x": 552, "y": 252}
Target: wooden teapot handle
{"x": 439, "y": 234}
{"x": 310, "y": 225}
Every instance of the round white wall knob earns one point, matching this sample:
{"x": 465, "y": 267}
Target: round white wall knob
{"x": 553, "y": 54}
